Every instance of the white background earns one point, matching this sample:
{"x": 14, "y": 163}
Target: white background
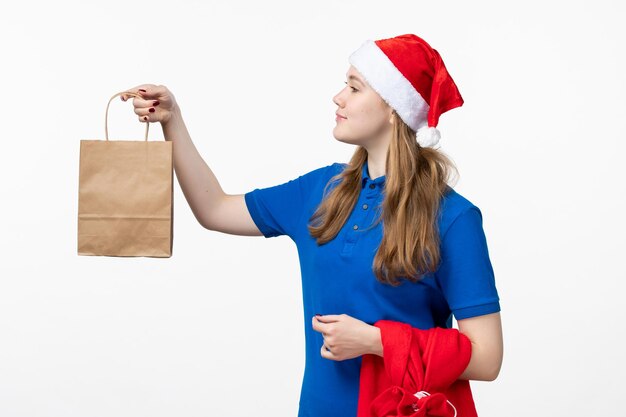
{"x": 217, "y": 329}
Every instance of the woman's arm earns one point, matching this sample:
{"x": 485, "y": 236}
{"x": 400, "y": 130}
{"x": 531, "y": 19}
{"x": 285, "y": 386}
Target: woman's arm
{"x": 485, "y": 333}
{"x": 212, "y": 207}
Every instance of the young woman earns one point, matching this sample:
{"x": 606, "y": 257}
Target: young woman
{"x": 381, "y": 237}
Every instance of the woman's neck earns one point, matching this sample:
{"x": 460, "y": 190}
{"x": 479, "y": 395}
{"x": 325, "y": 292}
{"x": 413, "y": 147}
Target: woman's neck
{"x": 375, "y": 167}
{"x": 377, "y": 156}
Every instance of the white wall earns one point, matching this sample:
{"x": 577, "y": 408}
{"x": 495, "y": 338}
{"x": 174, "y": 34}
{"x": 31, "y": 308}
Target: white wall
{"x": 538, "y": 143}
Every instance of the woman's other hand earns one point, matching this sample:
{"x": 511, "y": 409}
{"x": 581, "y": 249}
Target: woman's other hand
{"x": 346, "y": 337}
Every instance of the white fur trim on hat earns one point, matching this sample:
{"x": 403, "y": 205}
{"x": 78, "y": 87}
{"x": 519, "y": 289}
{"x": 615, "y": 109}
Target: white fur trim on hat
{"x": 383, "y": 76}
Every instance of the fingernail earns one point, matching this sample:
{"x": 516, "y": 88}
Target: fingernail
{"x": 155, "y": 103}
{"x": 318, "y": 314}
{"x": 151, "y": 110}
{"x": 145, "y": 118}
{"x": 142, "y": 90}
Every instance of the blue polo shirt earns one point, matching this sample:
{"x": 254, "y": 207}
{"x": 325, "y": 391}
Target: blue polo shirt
{"x": 337, "y": 277}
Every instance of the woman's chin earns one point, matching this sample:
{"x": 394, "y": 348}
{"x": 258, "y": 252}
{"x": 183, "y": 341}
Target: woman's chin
{"x": 342, "y": 138}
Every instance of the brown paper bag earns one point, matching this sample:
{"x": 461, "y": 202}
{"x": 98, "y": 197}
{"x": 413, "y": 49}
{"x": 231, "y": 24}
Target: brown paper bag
{"x": 125, "y": 196}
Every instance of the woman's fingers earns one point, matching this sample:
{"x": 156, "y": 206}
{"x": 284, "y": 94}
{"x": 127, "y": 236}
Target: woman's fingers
{"x": 151, "y": 91}
{"x": 149, "y": 113}
{"x": 140, "y": 89}
{"x": 141, "y": 103}
{"x": 145, "y": 115}
{"x": 154, "y": 103}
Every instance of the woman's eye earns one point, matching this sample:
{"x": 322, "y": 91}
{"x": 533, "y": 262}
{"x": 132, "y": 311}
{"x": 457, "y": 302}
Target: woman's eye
{"x": 353, "y": 89}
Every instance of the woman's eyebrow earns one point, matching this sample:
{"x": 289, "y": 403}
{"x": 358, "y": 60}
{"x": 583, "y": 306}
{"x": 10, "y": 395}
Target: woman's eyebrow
{"x": 354, "y": 77}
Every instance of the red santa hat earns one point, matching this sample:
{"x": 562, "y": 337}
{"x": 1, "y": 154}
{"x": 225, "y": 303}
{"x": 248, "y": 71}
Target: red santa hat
{"x": 412, "y": 78}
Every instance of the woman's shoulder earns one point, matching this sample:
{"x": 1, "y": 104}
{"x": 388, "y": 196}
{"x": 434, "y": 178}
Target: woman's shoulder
{"x": 338, "y": 166}
{"x": 453, "y": 200}
{"x": 453, "y": 205}
{"x": 326, "y": 171}
{"x": 329, "y": 171}
{"x": 319, "y": 176}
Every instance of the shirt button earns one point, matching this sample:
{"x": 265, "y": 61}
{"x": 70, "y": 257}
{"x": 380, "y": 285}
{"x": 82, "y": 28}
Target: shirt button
{"x": 356, "y": 226}
{"x": 364, "y": 206}
{"x": 372, "y": 186}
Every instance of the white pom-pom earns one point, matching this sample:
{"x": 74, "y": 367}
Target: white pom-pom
{"x": 428, "y": 136}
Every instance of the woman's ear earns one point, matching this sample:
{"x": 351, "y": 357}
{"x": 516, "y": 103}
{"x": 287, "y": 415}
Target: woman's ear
{"x": 392, "y": 116}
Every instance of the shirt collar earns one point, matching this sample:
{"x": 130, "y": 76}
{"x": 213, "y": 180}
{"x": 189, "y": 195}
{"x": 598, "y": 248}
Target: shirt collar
{"x": 365, "y": 177}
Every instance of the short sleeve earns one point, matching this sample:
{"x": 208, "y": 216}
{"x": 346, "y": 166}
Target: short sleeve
{"x": 465, "y": 274}
{"x": 276, "y": 210}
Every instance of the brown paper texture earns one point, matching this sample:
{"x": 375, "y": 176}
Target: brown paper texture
{"x": 125, "y": 198}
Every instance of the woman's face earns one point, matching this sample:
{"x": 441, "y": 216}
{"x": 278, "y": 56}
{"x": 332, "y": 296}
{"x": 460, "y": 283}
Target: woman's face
{"x": 363, "y": 117}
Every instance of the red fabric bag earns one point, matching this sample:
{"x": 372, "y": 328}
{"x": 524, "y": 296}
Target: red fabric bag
{"x": 417, "y": 375}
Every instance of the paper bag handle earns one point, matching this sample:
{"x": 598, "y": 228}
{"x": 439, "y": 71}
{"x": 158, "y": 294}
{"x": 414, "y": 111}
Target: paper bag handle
{"x": 106, "y": 114}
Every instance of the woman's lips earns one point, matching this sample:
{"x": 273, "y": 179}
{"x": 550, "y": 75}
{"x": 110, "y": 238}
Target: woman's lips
{"x": 339, "y": 117}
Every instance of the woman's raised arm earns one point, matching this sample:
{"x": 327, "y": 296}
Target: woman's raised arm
{"x": 212, "y": 207}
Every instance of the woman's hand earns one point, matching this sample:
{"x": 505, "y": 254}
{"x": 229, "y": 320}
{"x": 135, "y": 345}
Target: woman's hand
{"x": 346, "y": 337}
{"x": 156, "y": 105}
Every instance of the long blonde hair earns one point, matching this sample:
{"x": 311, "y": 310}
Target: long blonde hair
{"x": 415, "y": 181}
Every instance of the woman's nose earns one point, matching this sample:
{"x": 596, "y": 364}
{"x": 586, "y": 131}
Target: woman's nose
{"x": 338, "y": 100}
